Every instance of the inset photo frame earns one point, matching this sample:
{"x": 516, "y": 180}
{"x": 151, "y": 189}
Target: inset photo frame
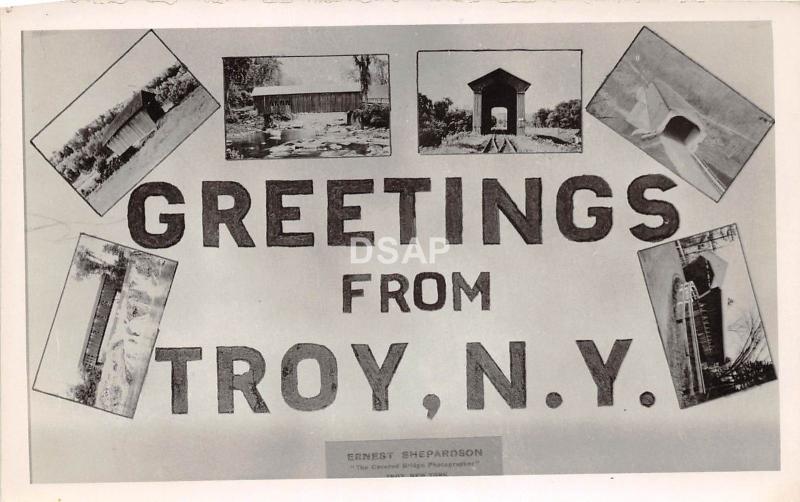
{"x": 680, "y": 114}
{"x": 707, "y": 315}
{"x": 303, "y": 107}
{"x": 499, "y": 101}
{"x": 105, "y": 327}
{"x": 125, "y": 123}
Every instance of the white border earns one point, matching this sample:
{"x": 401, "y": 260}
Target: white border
{"x": 14, "y": 476}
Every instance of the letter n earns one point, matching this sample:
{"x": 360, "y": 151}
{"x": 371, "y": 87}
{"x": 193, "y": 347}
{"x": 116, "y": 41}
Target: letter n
{"x": 480, "y": 363}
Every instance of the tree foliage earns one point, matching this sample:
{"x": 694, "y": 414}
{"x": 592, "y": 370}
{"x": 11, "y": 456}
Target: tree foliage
{"x": 85, "y": 153}
{"x": 566, "y": 115}
{"x": 86, "y": 391}
{"x": 436, "y": 120}
{"x": 87, "y": 263}
{"x": 372, "y": 115}
{"x": 242, "y": 74}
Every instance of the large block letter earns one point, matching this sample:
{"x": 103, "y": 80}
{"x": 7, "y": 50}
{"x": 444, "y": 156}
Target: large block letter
{"x": 328, "y": 376}
{"x": 136, "y": 216}
{"x": 480, "y": 364}
{"x": 604, "y": 373}
{"x": 179, "y": 356}
{"x": 246, "y": 382}
{"x": 379, "y": 378}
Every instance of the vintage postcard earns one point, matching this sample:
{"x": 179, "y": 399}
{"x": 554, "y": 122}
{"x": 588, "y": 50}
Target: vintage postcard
{"x": 125, "y": 123}
{"x": 498, "y": 325}
{"x": 105, "y": 327}
{"x": 495, "y": 101}
{"x": 707, "y": 315}
{"x": 305, "y": 107}
{"x": 497, "y": 321}
{"x": 680, "y": 114}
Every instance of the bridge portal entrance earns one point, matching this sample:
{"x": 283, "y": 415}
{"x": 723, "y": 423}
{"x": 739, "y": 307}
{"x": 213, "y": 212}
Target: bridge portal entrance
{"x": 498, "y": 89}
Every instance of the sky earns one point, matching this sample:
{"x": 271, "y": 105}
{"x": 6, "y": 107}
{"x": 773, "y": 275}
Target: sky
{"x": 146, "y": 59}
{"x": 555, "y": 76}
{"x": 316, "y": 70}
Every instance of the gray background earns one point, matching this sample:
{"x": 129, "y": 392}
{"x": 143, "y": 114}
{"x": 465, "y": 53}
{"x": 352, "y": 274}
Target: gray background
{"x": 548, "y": 295}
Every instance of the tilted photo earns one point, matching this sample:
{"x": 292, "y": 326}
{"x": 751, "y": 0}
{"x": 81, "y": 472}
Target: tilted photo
{"x": 499, "y": 101}
{"x": 105, "y": 326}
{"x": 707, "y": 315}
{"x": 680, "y": 114}
{"x": 307, "y": 106}
{"x": 125, "y": 123}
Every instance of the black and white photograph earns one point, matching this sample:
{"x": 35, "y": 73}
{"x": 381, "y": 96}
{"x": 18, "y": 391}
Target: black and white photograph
{"x": 106, "y": 326}
{"x": 351, "y": 304}
{"x": 499, "y": 101}
{"x": 680, "y": 114}
{"x": 307, "y": 106}
{"x": 707, "y": 315}
{"x": 121, "y": 127}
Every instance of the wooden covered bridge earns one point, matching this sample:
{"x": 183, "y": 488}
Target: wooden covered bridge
{"x": 107, "y": 295}
{"x": 498, "y": 89}
{"x": 138, "y": 119}
{"x": 327, "y": 98}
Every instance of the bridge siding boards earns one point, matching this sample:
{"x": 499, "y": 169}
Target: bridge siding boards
{"x": 308, "y": 103}
{"x": 101, "y": 314}
{"x": 133, "y": 123}
{"x": 708, "y": 315}
{"x": 137, "y": 128}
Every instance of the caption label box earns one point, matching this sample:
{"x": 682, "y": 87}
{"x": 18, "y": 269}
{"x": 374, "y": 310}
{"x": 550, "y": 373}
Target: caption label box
{"x": 475, "y": 456}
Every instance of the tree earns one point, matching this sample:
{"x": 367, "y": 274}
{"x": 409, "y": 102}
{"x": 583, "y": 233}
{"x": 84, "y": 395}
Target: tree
{"x": 437, "y": 120}
{"x": 88, "y": 263}
{"x": 441, "y": 107}
{"x": 362, "y": 63}
{"x": 540, "y": 117}
{"x": 241, "y": 75}
{"x": 86, "y": 392}
{"x": 84, "y": 162}
{"x": 234, "y": 72}
{"x": 70, "y": 174}
{"x": 566, "y": 115}
{"x": 264, "y": 71}
{"x": 424, "y": 107}
{"x": 102, "y": 167}
{"x": 380, "y": 70}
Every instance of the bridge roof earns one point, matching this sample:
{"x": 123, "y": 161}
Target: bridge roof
{"x": 326, "y": 88}
{"x": 499, "y": 76}
{"x": 139, "y": 100}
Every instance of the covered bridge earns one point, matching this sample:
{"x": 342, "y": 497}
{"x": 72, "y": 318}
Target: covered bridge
{"x": 133, "y": 123}
{"x": 671, "y": 115}
{"x": 289, "y": 99}
{"x": 498, "y": 89}
{"x": 107, "y": 295}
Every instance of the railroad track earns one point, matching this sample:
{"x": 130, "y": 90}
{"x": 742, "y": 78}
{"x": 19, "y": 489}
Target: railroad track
{"x": 499, "y": 144}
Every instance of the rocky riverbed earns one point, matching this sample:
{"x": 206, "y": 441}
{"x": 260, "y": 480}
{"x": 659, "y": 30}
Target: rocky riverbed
{"x": 307, "y": 135}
